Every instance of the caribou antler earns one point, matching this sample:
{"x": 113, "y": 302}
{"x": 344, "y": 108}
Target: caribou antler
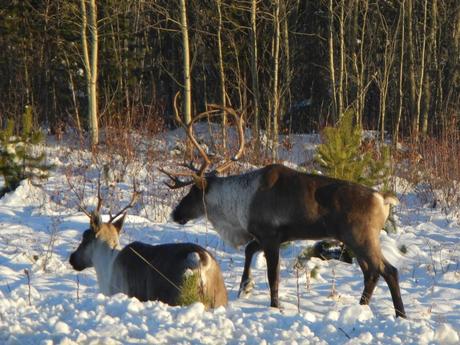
{"x": 189, "y": 132}
{"x": 177, "y": 183}
{"x": 82, "y": 207}
{"x": 132, "y": 202}
{"x": 81, "y": 204}
{"x": 197, "y": 174}
{"x": 239, "y": 123}
{"x": 99, "y": 197}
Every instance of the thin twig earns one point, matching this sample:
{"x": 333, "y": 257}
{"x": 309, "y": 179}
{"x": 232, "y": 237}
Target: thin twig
{"x": 78, "y": 288}
{"x": 298, "y": 292}
{"x": 346, "y": 334}
{"x": 155, "y": 269}
{"x": 27, "y": 273}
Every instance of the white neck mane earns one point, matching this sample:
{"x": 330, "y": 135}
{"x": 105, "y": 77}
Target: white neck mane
{"x": 103, "y": 259}
{"x": 228, "y": 203}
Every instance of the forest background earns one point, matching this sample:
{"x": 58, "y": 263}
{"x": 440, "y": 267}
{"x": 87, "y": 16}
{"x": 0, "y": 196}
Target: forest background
{"x": 292, "y": 66}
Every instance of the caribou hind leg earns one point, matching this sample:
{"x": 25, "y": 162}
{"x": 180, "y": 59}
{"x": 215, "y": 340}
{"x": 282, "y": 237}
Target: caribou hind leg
{"x": 371, "y": 278}
{"x": 390, "y": 274}
{"x": 247, "y": 283}
{"x": 373, "y": 267}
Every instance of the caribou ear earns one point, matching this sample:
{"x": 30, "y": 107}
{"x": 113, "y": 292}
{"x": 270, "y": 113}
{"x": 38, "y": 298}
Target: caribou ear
{"x": 200, "y": 182}
{"x": 119, "y": 223}
{"x": 95, "y": 221}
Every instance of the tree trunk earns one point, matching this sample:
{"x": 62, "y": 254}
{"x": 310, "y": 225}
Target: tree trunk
{"x": 401, "y": 75}
{"x": 186, "y": 64}
{"x": 360, "y": 66}
{"x": 331, "y": 60}
{"x": 221, "y": 74}
{"x": 254, "y": 72}
{"x": 285, "y": 102}
{"x": 429, "y": 62}
{"x": 90, "y": 62}
{"x": 422, "y": 68}
{"x": 276, "y": 92}
{"x": 340, "y": 92}
{"x": 74, "y": 95}
{"x": 186, "y": 71}
{"x": 411, "y": 67}
{"x": 385, "y": 70}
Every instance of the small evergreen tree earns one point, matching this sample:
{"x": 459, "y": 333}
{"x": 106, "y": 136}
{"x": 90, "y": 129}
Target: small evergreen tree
{"x": 192, "y": 291}
{"x": 18, "y": 157}
{"x": 342, "y": 155}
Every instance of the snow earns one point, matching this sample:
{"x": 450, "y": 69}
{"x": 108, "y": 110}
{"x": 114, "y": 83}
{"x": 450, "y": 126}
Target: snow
{"x": 41, "y": 226}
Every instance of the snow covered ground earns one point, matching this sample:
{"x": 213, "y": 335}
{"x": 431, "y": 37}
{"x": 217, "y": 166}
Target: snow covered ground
{"x": 40, "y": 226}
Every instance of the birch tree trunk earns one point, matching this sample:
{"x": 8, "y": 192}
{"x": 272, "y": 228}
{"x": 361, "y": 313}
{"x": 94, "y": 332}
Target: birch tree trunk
{"x": 383, "y": 75}
{"x": 429, "y": 62}
{"x": 221, "y": 74}
{"x": 331, "y": 60}
{"x": 276, "y": 93}
{"x": 422, "y": 69}
{"x": 74, "y": 95}
{"x": 411, "y": 67}
{"x": 90, "y": 63}
{"x": 359, "y": 64}
{"x": 401, "y": 75}
{"x": 186, "y": 64}
{"x": 341, "y": 60}
{"x": 254, "y": 72}
{"x": 285, "y": 100}
{"x": 187, "y": 107}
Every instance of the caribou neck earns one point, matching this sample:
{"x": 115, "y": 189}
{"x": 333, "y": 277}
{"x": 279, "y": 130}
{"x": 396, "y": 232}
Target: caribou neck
{"x": 228, "y": 203}
{"x": 103, "y": 259}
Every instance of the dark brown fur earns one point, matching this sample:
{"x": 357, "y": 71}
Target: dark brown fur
{"x": 144, "y": 271}
{"x": 171, "y": 261}
{"x": 285, "y": 205}
{"x": 315, "y": 207}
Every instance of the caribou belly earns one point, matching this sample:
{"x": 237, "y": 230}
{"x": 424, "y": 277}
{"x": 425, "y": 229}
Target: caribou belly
{"x": 230, "y": 233}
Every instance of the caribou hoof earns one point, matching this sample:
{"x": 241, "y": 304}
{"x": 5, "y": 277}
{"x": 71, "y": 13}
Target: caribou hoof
{"x": 246, "y": 288}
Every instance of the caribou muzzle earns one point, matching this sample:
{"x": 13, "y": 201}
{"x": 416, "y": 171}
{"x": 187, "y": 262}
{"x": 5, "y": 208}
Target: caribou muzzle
{"x": 179, "y": 218}
{"x": 75, "y": 263}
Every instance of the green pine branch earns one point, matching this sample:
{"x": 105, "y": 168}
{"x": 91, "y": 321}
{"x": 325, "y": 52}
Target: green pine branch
{"x": 342, "y": 156}
{"x": 18, "y": 159}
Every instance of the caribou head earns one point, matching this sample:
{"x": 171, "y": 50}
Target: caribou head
{"x": 192, "y": 205}
{"x": 100, "y": 234}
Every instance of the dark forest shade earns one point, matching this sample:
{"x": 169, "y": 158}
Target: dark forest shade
{"x": 379, "y": 69}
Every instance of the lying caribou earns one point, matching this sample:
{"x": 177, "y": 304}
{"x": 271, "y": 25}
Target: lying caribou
{"x": 144, "y": 271}
{"x": 269, "y": 206}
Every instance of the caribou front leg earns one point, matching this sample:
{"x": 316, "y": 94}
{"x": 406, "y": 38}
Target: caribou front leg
{"x": 272, "y": 254}
{"x": 247, "y": 283}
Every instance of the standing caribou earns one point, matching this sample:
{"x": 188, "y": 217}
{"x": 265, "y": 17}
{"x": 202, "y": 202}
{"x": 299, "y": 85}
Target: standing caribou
{"x": 144, "y": 271}
{"x": 269, "y": 206}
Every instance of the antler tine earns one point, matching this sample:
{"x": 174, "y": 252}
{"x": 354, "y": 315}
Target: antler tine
{"x": 203, "y": 154}
{"x": 177, "y": 183}
{"x": 80, "y": 199}
{"x": 190, "y": 166}
{"x": 240, "y": 123}
{"x": 195, "y": 118}
{"x": 214, "y": 112}
{"x": 206, "y": 113}
{"x": 99, "y": 197}
{"x": 189, "y": 132}
{"x": 214, "y": 109}
{"x": 176, "y": 110}
{"x": 132, "y": 202}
